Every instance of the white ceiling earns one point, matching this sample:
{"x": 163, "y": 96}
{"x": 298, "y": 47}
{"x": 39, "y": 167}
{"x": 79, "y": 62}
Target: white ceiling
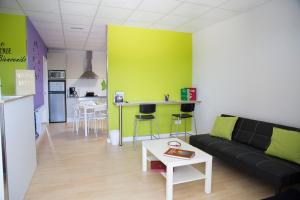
{"x": 81, "y": 24}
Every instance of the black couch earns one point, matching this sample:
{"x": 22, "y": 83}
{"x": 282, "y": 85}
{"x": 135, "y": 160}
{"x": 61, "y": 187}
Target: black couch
{"x": 293, "y": 193}
{"x": 250, "y": 139}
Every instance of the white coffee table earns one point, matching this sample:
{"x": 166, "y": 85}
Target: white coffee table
{"x": 184, "y": 171}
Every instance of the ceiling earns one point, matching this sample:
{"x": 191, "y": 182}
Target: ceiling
{"x": 81, "y": 24}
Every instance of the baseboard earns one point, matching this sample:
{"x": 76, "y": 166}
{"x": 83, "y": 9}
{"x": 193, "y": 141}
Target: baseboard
{"x": 70, "y": 120}
{"x": 41, "y": 136}
{"x": 148, "y": 137}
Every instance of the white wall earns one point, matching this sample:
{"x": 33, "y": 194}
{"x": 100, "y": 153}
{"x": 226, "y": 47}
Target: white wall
{"x": 45, "y": 109}
{"x": 73, "y": 61}
{"x": 76, "y": 62}
{"x": 1, "y": 169}
{"x": 84, "y": 85}
{"x": 250, "y": 66}
{"x": 57, "y": 59}
{"x": 76, "y": 67}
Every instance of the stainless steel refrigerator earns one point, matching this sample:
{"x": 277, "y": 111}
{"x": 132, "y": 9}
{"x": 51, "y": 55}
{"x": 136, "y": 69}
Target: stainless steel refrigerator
{"x": 57, "y": 97}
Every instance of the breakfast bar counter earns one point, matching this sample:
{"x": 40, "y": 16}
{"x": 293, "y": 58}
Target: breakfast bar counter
{"x": 137, "y": 103}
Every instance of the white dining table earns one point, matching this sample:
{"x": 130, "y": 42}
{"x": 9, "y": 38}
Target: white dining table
{"x": 86, "y": 107}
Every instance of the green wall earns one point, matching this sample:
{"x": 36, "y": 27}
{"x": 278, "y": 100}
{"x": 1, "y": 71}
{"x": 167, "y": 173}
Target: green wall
{"x": 13, "y": 36}
{"x": 146, "y": 64}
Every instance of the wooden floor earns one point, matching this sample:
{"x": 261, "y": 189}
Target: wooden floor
{"x": 74, "y": 167}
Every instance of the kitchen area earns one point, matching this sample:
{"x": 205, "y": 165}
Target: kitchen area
{"x": 70, "y": 79}
{"x": 74, "y": 77}
{"x": 41, "y": 84}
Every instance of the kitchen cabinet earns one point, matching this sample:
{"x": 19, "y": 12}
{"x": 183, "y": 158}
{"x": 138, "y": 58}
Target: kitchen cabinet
{"x": 56, "y": 60}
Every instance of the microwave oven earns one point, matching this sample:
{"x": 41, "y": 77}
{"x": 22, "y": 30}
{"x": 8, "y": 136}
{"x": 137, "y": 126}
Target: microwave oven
{"x": 56, "y": 74}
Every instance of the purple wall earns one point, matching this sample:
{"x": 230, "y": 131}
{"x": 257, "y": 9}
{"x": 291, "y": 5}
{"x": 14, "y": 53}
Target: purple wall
{"x": 36, "y": 49}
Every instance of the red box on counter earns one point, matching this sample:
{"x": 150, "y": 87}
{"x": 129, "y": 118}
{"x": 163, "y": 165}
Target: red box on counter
{"x": 192, "y": 94}
{"x": 188, "y": 94}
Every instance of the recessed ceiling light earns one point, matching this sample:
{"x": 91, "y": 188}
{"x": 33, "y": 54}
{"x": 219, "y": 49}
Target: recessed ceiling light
{"x": 76, "y": 28}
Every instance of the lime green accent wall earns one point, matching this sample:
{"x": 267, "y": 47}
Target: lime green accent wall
{"x": 146, "y": 64}
{"x": 13, "y": 36}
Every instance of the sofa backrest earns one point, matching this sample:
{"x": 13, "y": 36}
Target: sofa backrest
{"x": 255, "y": 133}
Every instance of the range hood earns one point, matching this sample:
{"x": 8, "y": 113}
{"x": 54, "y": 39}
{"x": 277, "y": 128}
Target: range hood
{"x": 88, "y": 73}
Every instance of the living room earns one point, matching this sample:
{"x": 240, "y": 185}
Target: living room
{"x": 241, "y": 56}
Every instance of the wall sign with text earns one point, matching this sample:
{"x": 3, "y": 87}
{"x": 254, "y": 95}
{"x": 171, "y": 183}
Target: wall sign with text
{"x": 7, "y": 54}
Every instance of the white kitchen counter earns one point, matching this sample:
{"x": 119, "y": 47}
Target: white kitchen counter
{"x": 87, "y": 98}
{"x": 5, "y": 99}
{"x": 18, "y": 144}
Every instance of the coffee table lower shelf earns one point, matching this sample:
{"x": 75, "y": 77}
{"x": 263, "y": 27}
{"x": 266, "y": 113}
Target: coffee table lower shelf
{"x": 185, "y": 174}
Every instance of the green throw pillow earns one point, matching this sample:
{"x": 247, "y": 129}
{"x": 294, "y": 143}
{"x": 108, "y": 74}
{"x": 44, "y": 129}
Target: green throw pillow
{"x": 223, "y": 127}
{"x": 285, "y": 144}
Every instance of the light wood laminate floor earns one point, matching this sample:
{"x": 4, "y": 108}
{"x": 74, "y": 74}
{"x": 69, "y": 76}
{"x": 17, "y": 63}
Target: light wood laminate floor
{"x": 74, "y": 167}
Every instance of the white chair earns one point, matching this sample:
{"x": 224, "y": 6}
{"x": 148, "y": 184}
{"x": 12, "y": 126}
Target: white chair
{"x": 79, "y": 114}
{"x": 99, "y": 117}
{"x": 75, "y": 117}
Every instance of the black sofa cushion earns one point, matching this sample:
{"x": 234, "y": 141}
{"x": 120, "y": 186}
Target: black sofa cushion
{"x": 255, "y": 133}
{"x": 276, "y": 171}
{"x": 217, "y": 146}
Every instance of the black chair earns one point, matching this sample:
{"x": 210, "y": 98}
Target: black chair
{"x": 187, "y": 111}
{"x": 147, "y": 113}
